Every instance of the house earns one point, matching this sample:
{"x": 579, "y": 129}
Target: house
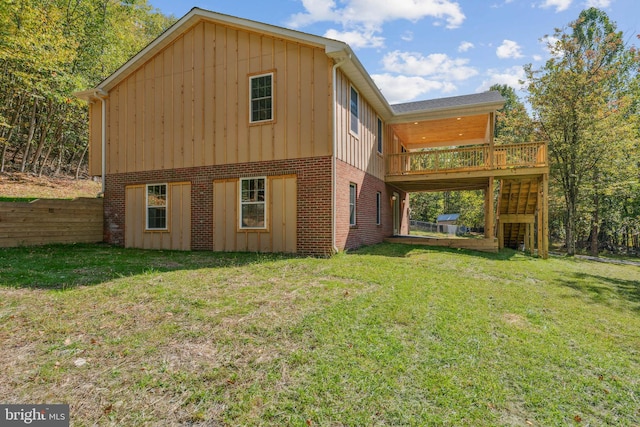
{"x": 448, "y": 223}
{"x": 227, "y": 134}
{"x": 448, "y": 219}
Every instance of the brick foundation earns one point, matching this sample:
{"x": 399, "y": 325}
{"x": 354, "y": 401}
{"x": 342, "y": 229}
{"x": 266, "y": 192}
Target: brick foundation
{"x": 313, "y": 204}
{"x": 366, "y": 231}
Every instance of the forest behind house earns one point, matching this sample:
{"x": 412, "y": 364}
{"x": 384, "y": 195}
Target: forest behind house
{"x": 584, "y": 103}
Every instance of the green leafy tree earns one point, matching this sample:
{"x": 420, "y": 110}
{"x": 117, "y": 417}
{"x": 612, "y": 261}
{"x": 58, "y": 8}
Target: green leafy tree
{"x": 48, "y": 50}
{"x": 513, "y": 123}
{"x": 581, "y": 99}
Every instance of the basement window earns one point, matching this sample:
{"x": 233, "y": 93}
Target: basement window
{"x": 157, "y": 207}
{"x": 253, "y": 205}
{"x": 353, "y": 194}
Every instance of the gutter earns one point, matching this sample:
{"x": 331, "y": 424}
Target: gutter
{"x": 334, "y": 145}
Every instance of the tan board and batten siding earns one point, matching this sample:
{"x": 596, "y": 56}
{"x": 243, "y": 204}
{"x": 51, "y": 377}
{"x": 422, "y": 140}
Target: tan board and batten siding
{"x": 178, "y": 233}
{"x": 280, "y": 234}
{"x": 360, "y": 151}
{"x": 188, "y": 106}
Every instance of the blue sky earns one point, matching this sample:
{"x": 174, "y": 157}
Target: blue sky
{"x": 424, "y": 49}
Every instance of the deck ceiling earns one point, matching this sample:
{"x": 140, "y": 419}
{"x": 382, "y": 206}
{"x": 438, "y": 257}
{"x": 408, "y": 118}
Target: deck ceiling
{"x": 453, "y": 131}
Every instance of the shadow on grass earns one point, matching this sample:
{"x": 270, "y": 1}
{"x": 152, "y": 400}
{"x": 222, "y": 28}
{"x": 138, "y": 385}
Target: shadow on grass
{"x": 402, "y": 250}
{"x": 68, "y": 266}
{"x": 60, "y": 267}
{"x": 603, "y": 290}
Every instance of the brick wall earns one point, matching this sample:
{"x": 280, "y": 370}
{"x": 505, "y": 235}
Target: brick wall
{"x": 366, "y": 231}
{"x": 313, "y": 207}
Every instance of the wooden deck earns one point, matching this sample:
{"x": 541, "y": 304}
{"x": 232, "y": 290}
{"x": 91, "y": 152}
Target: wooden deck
{"x": 482, "y": 245}
{"x": 465, "y": 168}
{"x": 467, "y": 159}
{"x": 522, "y": 169}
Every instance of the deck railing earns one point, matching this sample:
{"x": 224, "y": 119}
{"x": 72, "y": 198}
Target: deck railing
{"x": 468, "y": 159}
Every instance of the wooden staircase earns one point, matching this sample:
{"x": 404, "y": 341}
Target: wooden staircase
{"x": 517, "y": 208}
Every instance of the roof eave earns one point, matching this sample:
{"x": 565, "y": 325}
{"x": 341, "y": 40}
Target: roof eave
{"x": 362, "y": 81}
{"x": 446, "y": 112}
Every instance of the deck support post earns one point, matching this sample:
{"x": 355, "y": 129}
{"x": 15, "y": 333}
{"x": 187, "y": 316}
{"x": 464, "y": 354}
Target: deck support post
{"x": 545, "y": 216}
{"x": 489, "y": 216}
{"x": 540, "y": 218}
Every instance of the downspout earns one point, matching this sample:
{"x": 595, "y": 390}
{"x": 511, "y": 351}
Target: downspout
{"x": 333, "y": 153}
{"x": 101, "y": 95}
{"x": 103, "y": 142}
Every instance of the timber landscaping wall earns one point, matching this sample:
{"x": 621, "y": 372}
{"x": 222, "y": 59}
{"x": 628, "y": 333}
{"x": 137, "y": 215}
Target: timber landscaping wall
{"x": 46, "y": 221}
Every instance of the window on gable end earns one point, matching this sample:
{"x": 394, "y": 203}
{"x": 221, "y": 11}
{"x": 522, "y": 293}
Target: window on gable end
{"x": 261, "y": 98}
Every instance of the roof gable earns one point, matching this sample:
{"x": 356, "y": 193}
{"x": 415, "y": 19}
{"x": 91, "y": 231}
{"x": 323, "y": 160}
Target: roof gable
{"x": 340, "y": 52}
{"x": 196, "y": 15}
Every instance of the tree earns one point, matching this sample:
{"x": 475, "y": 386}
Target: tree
{"x": 581, "y": 99}
{"x": 513, "y": 123}
{"x": 48, "y": 50}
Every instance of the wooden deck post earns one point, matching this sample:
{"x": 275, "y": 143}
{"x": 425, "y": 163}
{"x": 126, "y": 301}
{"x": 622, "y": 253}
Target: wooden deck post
{"x": 540, "y": 217}
{"x": 489, "y": 216}
{"x": 545, "y": 216}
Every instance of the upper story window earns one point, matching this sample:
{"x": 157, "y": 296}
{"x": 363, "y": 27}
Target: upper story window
{"x": 354, "y": 105}
{"x": 157, "y": 207}
{"x": 380, "y": 133}
{"x": 261, "y": 102}
{"x": 253, "y": 203}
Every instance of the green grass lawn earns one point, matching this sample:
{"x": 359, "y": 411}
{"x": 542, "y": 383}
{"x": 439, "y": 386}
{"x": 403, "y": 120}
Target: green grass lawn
{"x": 388, "y": 335}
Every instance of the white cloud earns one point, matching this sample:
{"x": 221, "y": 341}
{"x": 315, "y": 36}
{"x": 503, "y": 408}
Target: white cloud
{"x": 560, "y": 5}
{"x": 509, "y": 49}
{"x": 537, "y": 57}
{"x": 436, "y": 65}
{"x": 374, "y": 13}
{"x": 356, "y": 39}
{"x": 601, "y": 4}
{"x": 406, "y": 88}
{"x": 465, "y": 46}
{"x": 511, "y": 77}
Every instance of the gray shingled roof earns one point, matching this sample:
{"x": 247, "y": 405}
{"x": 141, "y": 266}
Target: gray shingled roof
{"x": 448, "y": 103}
{"x": 448, "y": 217}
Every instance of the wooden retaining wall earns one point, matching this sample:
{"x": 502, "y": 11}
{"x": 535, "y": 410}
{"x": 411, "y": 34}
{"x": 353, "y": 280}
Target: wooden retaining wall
{"x": 46, "y": 221}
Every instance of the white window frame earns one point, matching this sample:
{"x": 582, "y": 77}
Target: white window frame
{"x": 378, "y": 208}
{"x": 380, "y": 134}
{"x": 242, "y": 203}
{"x": 165, "y": 206}
{"x": 271, "y": 97}
{"x": 354, "y": 119}
{"x": 353, "y": 200}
